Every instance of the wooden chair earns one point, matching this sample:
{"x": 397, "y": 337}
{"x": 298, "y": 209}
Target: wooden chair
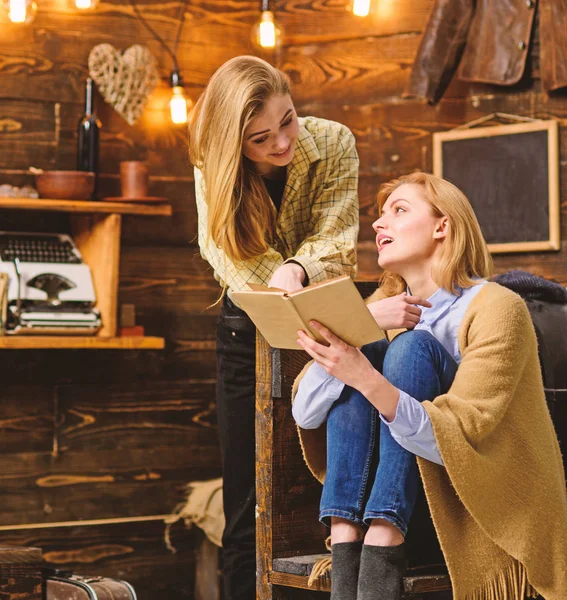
{"x": 290, "y": 538}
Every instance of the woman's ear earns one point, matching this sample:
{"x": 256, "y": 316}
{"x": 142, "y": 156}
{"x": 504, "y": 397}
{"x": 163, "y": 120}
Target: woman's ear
{"x": 441, "y": 229}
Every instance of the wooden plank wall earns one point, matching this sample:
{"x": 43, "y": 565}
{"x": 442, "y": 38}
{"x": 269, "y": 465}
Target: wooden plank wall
{"x": 354, "y": 70}
{"x": 112, "y": 436}
{"x": 109, "y": 437}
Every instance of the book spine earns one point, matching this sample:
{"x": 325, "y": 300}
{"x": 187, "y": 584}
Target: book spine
{"x": 301, "y": 323}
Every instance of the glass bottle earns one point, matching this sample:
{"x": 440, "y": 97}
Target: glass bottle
{"x": 88, "y": 138}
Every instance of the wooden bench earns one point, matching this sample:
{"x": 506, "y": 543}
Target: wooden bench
{"x": 290, "y": 538}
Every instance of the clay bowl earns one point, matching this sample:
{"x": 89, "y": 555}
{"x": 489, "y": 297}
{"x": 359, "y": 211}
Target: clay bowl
{"x": 65, "y": 185}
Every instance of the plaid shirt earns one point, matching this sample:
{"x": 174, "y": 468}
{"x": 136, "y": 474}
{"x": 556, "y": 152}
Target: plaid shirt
{"x": 317, "y": 224}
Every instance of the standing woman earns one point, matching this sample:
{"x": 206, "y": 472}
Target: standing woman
{"x": 277, "y": 203}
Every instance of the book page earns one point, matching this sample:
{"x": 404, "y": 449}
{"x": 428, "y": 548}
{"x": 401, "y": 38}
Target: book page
{"x": 337, "y": 304}
{"x": 275, "y": 318}
{"x": 255, "y": 287}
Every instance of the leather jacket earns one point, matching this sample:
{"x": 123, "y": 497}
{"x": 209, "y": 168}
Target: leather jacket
{"x": 490, "y": 39}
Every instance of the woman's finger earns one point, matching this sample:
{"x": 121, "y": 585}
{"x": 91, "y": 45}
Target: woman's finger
{"x": 326, "y": 333}
{"x": 410, "y": 321}
{"x": 417, "y": 300}
{"x": 413, "y": 317}
{"x": 413, "y": 310}
{"x": 320, "y": 358}
{"x": 313, "y": 344}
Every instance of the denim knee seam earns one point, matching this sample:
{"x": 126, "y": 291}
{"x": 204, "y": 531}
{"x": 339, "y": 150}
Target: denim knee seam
{"x": 363, "y": 493}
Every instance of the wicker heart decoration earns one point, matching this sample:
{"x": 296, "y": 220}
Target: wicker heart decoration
{"x": 125, "y": 79}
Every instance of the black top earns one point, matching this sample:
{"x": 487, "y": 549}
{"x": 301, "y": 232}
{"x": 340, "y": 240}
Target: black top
{"x": 276, "y": 189}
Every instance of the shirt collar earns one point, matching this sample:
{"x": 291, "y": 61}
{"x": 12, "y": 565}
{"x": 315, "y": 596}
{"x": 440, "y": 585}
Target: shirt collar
{"x": 306, "y": 153}
{"x": 441, "y": 301}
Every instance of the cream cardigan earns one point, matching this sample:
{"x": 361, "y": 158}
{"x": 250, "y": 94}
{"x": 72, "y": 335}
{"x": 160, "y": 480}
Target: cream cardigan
{"x": 499, "y": 504}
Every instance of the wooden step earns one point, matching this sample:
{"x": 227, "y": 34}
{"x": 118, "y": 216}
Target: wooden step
{"x": 295, "y": 571}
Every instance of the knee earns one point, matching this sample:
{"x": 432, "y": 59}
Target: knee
{"x": 404, "y": 345}
{"x": 409, "y": 342}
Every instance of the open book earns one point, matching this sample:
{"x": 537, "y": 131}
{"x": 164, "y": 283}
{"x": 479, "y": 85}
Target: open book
{"x": 335, "y": 303}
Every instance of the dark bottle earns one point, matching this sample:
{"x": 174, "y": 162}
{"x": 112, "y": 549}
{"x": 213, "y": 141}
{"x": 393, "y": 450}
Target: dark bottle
{"x": 88, "y": 138}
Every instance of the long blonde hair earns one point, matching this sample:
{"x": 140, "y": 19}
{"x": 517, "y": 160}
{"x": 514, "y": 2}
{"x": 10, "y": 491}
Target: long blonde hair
{"x": 464, "y": 255}
{"x": 241, "y": 219}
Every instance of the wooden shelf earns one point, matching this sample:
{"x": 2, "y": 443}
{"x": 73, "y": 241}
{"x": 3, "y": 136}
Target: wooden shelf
{"x": 96, "y": 228}
{"x": 85, "y": 206}
{"x": 51, "y": 342}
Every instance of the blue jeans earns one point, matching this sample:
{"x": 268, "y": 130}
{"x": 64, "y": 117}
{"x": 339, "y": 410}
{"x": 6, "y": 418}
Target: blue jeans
{"x": 369, "y": 475}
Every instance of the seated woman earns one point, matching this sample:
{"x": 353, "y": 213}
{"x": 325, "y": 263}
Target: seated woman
{"x": 462, "y": 390}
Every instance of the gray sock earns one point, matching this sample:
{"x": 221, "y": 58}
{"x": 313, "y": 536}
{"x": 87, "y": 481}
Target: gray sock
{"x": 344, "y": 573}
{"x": 381, "y": 572}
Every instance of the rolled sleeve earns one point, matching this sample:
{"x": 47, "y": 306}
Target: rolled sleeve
{"x": 412, "y": 429}
{"x": 316, "y": 394}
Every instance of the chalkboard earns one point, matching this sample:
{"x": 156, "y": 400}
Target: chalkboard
{"x": 510, "y": 174}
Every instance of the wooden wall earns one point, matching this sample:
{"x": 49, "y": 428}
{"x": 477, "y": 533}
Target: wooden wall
{"x": 354, "y": 70}
{"x": 110, "y": 437}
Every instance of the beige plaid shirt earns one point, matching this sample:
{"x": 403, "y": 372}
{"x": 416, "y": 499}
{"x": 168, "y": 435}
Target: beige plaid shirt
{"x": 317, "y": 224}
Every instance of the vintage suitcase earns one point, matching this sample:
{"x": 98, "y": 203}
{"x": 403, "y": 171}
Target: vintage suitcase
{"x": 60, "y": 585}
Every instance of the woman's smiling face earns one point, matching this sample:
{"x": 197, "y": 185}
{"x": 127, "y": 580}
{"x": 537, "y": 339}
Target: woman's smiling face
{"x": 270, "y": 138}
{"x": 407, "y": 232}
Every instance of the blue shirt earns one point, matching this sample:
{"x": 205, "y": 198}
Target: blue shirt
{"x": 411, "y": 427}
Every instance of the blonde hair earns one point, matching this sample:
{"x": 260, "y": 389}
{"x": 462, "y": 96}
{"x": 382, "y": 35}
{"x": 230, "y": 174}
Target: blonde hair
{"x": 464, "y": 255}
{"x": 240, "y": 217}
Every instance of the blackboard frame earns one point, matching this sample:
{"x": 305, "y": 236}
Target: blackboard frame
{"x": 553, "y": 241}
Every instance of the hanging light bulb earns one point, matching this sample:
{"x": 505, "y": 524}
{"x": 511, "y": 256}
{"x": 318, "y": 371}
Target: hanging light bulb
{"x": 86, "y": 4}
{"x": 361, "y": 8}
{"x": 20, "y": 11}
{"x": 178, "y": 105}
{"x": 265, "y": 33}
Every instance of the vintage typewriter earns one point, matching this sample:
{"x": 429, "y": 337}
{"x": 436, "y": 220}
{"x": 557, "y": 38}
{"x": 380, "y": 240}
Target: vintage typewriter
{"x": 50, "y": 290}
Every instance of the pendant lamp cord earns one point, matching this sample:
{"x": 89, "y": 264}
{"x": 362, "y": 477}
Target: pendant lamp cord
{"x": 156, "y": 35}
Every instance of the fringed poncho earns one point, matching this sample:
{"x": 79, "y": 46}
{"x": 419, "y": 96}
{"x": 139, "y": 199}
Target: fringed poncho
{"x": 499, "y": 504}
